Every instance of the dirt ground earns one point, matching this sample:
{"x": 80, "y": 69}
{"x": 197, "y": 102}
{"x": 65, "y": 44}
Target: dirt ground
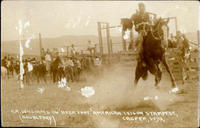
{"x": 113, "y": 92}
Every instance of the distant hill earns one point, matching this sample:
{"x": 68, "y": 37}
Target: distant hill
{"x": 80, "y": 42}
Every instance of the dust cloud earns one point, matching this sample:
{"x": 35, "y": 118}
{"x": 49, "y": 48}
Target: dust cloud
{"x": 114, "y": 90}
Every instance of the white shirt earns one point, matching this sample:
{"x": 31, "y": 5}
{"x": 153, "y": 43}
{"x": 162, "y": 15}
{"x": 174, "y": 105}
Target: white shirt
{"x": 8, "y": 63}
{"x": 71, "y": 63}
{"x": 30, "y": 67}
{"x": 48, "y": 57}
{"x": 97, "y": 62}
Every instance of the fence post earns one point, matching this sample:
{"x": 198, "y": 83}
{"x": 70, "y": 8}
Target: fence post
{"x": 67, "y": 51}
{"x": 108, "y": 38}
{"x": 108, "y": 41}
{"x": 176, "y": 25}
{"x": 40, "y": 42}
{"x": 123, "y": 41}
{"x": 100, "y": 38}
{"x": 111, "y": 49}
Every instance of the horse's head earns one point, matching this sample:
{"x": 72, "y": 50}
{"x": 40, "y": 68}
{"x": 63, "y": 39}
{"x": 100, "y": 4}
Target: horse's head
{"x": 161, "y": 28}
{"x": 57, "y": 60}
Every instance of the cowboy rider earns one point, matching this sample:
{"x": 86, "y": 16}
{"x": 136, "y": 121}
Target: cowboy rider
{"x": 4, "y": 62}
{"x": 138, "y": 18}
{"x": 182, "y": 43}
{"x": 48, "y": 59}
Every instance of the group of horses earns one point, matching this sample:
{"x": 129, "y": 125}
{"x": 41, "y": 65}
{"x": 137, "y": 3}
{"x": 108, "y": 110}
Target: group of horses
{"x": 36, "y": 70}
{"x": 9, "y": 67}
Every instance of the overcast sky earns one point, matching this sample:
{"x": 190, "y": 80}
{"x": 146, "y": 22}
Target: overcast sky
{"x": 57, "y": 18}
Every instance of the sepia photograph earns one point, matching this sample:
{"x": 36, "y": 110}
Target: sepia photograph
{"x": 100, "y": 64}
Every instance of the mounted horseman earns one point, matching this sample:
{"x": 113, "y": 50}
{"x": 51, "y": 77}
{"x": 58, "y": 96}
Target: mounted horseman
{"x": 48, "y": 60}
{"x": 4, "y": 69}
{"x": 139, "y": 19}
{"x": 54, "y": 69}
{"x": 4, "y": 62}
{"x": 151, "y": 45}
{"x": 10, "y": 66}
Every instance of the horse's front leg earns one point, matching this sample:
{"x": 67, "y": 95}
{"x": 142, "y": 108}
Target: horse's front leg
{"x": 138, "y": 74}
{"x": 8, "y": 73}
{"x": 159, "y": 73}
{"x": 154, "y": 69}
{"x": 54, "y": 76}
{"x": 169, "y": 71}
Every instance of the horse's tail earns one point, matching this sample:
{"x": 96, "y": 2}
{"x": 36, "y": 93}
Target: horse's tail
{"x": 145, "y": 75}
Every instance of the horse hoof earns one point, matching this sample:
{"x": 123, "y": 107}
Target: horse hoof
{"x": 174, "y": 90}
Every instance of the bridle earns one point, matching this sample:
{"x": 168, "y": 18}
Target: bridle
{"x": 144, "y": 26}
{"x": 156, "y": 30}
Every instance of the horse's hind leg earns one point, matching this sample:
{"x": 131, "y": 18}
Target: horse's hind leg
{"x": 169, "y": 71}
{"x": 44, "y": 78}
{"x": 8, "y": 73}
{"x": 158, "y": 76}
{"x": 38, "y": 78}
{"x": 159, "y": 73}
{"x": 154, "y": 69}
{"x": 12, "y": 72}
{"x": 138, "y": 74}
{"x": 54, "y": 77}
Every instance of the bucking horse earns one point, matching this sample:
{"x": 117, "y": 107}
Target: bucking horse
{"x": 154, "y": 54}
